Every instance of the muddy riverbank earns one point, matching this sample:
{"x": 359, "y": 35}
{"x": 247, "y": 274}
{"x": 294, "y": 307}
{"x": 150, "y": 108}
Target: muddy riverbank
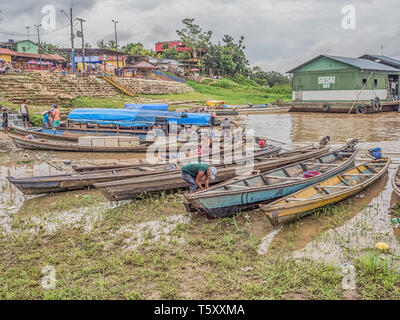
{"x": 152, "y": 249}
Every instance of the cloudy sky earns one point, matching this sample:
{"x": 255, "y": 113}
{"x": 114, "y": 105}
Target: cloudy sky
{"x": 279, "y": 34}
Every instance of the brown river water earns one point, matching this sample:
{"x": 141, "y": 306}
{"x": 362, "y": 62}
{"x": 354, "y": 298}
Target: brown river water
{"x": 369, "y": 222}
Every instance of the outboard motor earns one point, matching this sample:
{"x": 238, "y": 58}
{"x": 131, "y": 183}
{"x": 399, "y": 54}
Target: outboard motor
{"x": 351, "y": 143}
{"x": 323, "y": 141}
{"x": 376, "y": 153}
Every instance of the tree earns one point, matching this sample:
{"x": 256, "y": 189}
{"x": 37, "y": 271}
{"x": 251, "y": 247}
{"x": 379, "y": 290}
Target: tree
{"x": 228, "y": 58}
{"x": 138, "y": 49}
{"x": 169, "y": 54}
{"x": 183, "y": 56}
{"x": 193, "y": 36}
{"x": 237, "y": 54}
{"x": 48, "y": 48}
{"x": 111, "y": 44}
{"x": 102, "y": 44}
{"x": 268, "y": 78}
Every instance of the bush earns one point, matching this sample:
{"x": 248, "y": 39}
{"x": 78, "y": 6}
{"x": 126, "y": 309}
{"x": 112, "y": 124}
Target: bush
{"x": 225, "y": 83}
{"x": 243, "y": 81}
{"x": 36, "y": 119}
{"x": 207, "y": 81}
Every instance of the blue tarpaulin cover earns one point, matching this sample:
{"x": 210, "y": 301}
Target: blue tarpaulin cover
{"x": 131, "y": 118}
{"x": 151, "y": 106}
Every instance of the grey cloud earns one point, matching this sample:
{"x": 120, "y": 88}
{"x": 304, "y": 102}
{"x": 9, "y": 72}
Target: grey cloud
{"x": 278, "y": 34}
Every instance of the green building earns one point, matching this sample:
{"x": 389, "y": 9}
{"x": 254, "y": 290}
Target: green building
{"x": 340, "y": 79}
{"x": 23, "y": 46}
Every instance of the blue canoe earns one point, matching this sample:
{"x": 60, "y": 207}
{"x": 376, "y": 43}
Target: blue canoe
{"x": 244, "y": 194}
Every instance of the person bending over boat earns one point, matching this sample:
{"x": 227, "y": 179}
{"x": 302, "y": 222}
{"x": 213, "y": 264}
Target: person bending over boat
{"x": 193, "y": 173}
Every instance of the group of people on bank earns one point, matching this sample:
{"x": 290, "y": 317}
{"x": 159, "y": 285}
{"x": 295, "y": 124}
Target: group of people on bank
{"x": 51, "y": 118}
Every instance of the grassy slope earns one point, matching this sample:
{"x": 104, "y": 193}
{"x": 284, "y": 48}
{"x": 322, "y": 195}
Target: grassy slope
{"x": 230, "y": 92}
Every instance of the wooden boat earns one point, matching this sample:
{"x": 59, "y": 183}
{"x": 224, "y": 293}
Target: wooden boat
{"x": 325, "y": 192}
{"x": 54, "y": 145}
{"x": 244, "y": 194}
{"x": 268, "y": 151}
{"x": 49, "y": 134}
{"x": 65, "y": 182}
{"x": 132, "y": 188}
{"x": 396, "y": 182}
{"x": 68, "y": 135}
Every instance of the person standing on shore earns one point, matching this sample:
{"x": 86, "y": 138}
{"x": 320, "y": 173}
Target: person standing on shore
{"x": 5, "y": 120}
{"x": 56, "y": 117}
{"x": 25, "y": 114}
{"x": 226, "y": 128}
{"x": 213, "y": 117}
{"x": 46, "y": 120}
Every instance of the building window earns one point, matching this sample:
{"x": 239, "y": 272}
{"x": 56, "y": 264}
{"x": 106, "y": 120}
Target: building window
{"x": 375, "y": 83}
{"x": 364, "y": 82}
{"x": 23, "y": 49}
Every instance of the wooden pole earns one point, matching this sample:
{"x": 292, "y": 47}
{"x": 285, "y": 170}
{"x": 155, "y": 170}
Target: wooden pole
{"x": 360, "y": 93}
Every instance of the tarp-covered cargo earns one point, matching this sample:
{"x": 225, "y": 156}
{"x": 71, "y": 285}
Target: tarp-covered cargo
{"x": 137, "y": 118}
{"x": 149, "y": 106}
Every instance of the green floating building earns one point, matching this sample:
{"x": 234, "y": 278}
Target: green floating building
{"x": 336, "y": 84}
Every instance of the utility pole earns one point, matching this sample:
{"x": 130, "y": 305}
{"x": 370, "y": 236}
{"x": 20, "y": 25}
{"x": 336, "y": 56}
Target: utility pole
{"x": 27, "y": 29}
{"x": 71, "y": 21}
{"x": 38, "y": 34}
{"x": 83, "y": 43}
{"x": 116, "y": 43}
{"x": 72, "y": 40}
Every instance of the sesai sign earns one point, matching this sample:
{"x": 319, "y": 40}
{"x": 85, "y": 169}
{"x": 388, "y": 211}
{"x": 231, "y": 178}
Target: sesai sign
{"x": 326, "y": 81}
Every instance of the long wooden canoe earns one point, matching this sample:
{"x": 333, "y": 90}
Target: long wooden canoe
{"x": 65, "y": 182}
{"x": 54, "y": 145}
{"x": 267, "y": 151}
{"x": 396, "y": 182}
{"x": 132, "y": 188}
{"x": 67, "y": 135}
{"x": 325, "y": 192}
{"x": 244, "y": 194}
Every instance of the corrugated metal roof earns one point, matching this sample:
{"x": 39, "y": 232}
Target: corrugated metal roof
{"x": 384, "y": 58}
{"x": 7, "y": 52}
{"x": 144, "y": 65}
{"x": 363, "y": 64}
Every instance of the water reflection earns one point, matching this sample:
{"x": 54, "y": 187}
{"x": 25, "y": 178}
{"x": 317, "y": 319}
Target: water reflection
{"x": 12, "y": 199}
{"x": 370, "y": 226}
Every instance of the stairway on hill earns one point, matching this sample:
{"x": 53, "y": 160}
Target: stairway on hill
{"x": 48, "y": 88}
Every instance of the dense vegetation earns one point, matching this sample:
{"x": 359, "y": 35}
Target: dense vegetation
{"x": 226, "y": 58}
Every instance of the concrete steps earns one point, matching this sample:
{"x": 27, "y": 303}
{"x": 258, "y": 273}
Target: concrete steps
{"x": 47, "y": 88}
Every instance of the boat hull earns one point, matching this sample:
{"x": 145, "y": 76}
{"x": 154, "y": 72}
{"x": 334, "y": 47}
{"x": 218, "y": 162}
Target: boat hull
{"x": 133, "y": 188}
{"x": 279, "y": 213}
{"x": 396, "y": 182}
{"x": 67, "y": 182}
{"x": 219, "y": 204}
